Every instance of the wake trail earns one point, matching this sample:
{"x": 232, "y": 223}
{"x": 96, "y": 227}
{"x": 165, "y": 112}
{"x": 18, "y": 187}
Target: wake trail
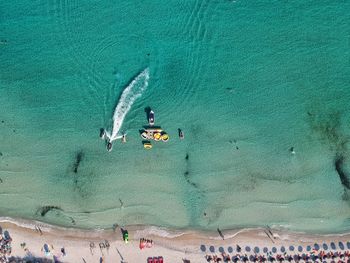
{"x": 130, "y": 94}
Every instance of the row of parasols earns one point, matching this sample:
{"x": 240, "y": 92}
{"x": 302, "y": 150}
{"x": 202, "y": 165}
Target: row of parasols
{"x": 322, "y": 256}
{"x": 282, "y": 249}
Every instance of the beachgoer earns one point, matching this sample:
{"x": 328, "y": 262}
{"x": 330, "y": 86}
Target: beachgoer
{"x": 208, "y": 258}
{"x": 107, "y": 244}
{"x": 292, "y": 150}
{"x": 63, "y": 251}
{"x": 92, "y": 246}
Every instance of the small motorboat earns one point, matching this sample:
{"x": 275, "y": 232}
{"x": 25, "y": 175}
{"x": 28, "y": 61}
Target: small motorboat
{"x": 151, "y": 118}
{"x": 102, "y": 134}
{"x": 147, "y": 145}
{"x": 109, "y": 146}
{"x": 124, "y": 138}
{"x": 181, "y": 134}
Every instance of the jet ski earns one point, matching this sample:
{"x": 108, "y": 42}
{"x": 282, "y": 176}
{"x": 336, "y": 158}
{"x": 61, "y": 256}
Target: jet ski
{"x": 181, "y": 134}
{"x": 109, "y": 146}
{"x": 151, "y": 118}
{"x": 102, "y": 134}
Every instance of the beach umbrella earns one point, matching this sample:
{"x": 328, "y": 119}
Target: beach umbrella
{"x": 262, "y": 258}
{"x": 291, "y": 248}
{"x": 314, "y": 257}
{"x": 235, "y": 258}
{"x": 308, "y": 248}
{"x": 271, "y": 259}
{"x": 296, "y": 257}
{"x": 265, "y": 249}
{"x": 203, "y": 248}
{"x": 212, "y": 249}
{"x": 316, "y": 246}
{"x": 325, "y": 246}
{"x": 300, "y": 248}
{"x": 283, "y": 249}
{"x": 247, "y": 248}
{"x": 221, "y": 249}
{"x": 256, "y": 250}
{"x": 230, "y": 249}
{"x": 46, "y": 250}
{"x": 252, "y": 258}
{"x": 348, "y": 245}
{"x": 341, "y": 245}
{"x": 274, "y": 250}
{"x": 333, "y": 246}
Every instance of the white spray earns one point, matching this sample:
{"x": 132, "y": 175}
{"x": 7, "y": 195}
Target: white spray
{"x": 130, "y": 94}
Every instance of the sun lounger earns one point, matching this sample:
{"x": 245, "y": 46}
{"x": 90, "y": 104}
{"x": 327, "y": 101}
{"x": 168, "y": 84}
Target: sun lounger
{"x": 150, "y": 260}
{"x": 160, "y": 259}
{"x": 155, "y": 260}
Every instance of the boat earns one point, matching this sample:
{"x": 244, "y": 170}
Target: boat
{"x": 181, "y": 134}
{"x": 102, "y": 134}
{"x": 157, "y": 136}
{"x": 151, "y": 118}
{"x": 109, "y": 146}
{"x": 124, "y": 138}
{"x": 145, "y": 135}
{"x": 165, "y": 137}
{"x": 151, "y": 134}
{"x": 147, "y": 145}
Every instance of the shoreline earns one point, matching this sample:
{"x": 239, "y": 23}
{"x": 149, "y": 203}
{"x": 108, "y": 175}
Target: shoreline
{"x": 169, "y": 243}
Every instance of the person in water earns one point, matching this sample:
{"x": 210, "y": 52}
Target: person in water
{"x": 109, "y": 146}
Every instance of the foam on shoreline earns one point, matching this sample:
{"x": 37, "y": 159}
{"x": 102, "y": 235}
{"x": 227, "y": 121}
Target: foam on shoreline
{"x": 170, "y": 233}
{"x": 172, "y": 244}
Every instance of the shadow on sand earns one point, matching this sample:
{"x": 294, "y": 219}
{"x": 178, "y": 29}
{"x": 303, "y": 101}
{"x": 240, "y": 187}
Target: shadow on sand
{"x": 32, "y": 260}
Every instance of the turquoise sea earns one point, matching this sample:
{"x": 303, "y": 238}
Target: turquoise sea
{"x": 245, "y": 80}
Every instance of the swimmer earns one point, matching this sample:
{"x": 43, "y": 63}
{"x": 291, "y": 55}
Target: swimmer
{"x": 292, "y": 150}
{"x": 124, "y": 138}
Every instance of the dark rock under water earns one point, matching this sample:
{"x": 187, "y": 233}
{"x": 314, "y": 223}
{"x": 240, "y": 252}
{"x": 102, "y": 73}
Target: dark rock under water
{"x": 45, "y": 209}
{"x": 344, "y": 178}
{"x": 78, "y": 158}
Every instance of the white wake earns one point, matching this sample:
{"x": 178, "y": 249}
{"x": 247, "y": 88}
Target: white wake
{"x": 130, "y": 94}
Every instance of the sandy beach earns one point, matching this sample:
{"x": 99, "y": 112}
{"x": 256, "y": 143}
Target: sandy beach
{"x": 174, "y": 246}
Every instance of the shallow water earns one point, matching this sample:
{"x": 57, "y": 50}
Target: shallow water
{"x": 245, "y": 81}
